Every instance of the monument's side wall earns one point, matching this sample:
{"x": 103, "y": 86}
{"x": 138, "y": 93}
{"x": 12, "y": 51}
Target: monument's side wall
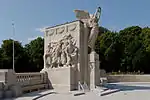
{"x": 81, "y": 54}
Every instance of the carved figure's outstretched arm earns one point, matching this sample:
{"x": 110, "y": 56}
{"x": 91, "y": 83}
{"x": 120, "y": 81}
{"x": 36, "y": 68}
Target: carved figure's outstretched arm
{"x": 98, "y": 13}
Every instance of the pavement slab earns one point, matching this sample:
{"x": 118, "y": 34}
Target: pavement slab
{"x": 129, "y": 91}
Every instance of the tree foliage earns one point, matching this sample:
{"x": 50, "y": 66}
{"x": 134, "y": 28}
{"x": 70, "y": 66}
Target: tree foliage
{"x": 7, "y": 56}
{"x": 27, "y": 59}
{"x": 35, "y": 51}
{"x": 126, "y": 51}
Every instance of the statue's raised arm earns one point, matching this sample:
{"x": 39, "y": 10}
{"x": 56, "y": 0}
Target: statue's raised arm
{"x": 90, "y": 20}
{"x": 82, "y": 15}
{"x": 98, "y": 13}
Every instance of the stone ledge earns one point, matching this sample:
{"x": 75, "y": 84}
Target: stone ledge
{"x": 39, "y": 86}
{"x": 34, "y": 95}
{"x": 128, "y": 78}
{"x": 109, "y": 92}
{"x": 79, "y": 93}
{"x": 42, "y": 95}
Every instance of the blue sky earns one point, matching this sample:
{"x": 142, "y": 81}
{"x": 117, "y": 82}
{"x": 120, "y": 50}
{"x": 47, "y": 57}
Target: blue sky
{"x": 30, "y": 15}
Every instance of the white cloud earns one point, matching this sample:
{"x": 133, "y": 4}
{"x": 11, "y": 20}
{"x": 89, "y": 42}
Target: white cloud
{"x": 114, "y": 28}
{"x": 33, "y": 38}
{"x": 41, "y": 29}
{"x": 38, "y": 29}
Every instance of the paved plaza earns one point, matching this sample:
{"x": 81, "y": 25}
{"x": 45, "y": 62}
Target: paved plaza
{"x": 127, "y": 95}
{"x": 129, "y": 91}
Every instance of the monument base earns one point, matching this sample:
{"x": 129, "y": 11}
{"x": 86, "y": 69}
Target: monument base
{"x": 62, "y": 79}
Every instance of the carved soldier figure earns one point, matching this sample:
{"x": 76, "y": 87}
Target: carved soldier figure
{"x": 71, "y": 52}
{"x": 48, "y": 56}
{"x": 63, "y": 53}
{"x": 56, "y": 55}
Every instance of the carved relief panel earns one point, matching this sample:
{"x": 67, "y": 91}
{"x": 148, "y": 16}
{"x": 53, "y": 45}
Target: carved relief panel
{"x": 61, "y": 46}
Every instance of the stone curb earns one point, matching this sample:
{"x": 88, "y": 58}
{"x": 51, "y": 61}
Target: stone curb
{"x": 78, "y": 94}
{"x": 42, "y": 95}
{"x": 109, "y": 92}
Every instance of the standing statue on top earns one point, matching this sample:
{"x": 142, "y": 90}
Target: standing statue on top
{"x": 91, "y": 21}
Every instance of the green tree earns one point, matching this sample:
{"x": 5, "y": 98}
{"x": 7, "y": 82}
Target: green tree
{"x": 108, "y": 48}
{"x": 7, "y": 56}
{"x": 130, "y": 38}
{"x": 105, "y": 45}
{"x": 102, "y": 31}
{"x": 1, "y": 59}
{"x": 144, "y": 60}
{"x": 128, "y": 50}
{"x": 35, "y": 51}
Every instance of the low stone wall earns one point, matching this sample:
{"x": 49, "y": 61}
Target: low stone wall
{"x": 27, "y": 79}
{"x": 14, "y": 84}
{"x": 128, "y": 78}
{"x": 8, "y": 86}
{"x": 32, "y": 81}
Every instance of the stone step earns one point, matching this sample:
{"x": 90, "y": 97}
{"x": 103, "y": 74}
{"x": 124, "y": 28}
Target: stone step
{"x": 109, "y": 92}
{"x": 101, "y": 89}
{"x": 42, "y": 95}
{"x": 79, "y": 93}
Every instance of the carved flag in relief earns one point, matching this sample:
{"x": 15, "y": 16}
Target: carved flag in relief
{"x": 81, "y": 14}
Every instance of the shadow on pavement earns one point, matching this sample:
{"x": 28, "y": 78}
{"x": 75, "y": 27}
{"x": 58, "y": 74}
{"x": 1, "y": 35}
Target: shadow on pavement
{"x": 37, "y": 94}
{"x": 40, "y": 96}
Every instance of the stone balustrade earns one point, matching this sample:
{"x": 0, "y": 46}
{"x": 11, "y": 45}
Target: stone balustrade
{"x": 14, "y": 84}
{"x": 26, "y": 79}
{"x": 29, "y": 81}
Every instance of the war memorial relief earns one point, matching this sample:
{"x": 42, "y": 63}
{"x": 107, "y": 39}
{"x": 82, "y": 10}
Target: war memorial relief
{"x": 77, "y": 59}
{"x": 69, "y": 56}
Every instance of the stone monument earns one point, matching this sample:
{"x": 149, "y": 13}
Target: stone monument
{"x": 66, "y": 48}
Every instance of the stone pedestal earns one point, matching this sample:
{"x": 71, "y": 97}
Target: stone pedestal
{"x": 7, "y": 76}
{"x": 94, "y": 70}
{"x": 1, "y": 94}
{"x": 66, "y": 65}
{"x": 8, "y": 94}
{"x": 8, "y": 84}
{"x": 16, "y": 90}
{"x": 66, "y": 58}
{"x": 63, "y": 79}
